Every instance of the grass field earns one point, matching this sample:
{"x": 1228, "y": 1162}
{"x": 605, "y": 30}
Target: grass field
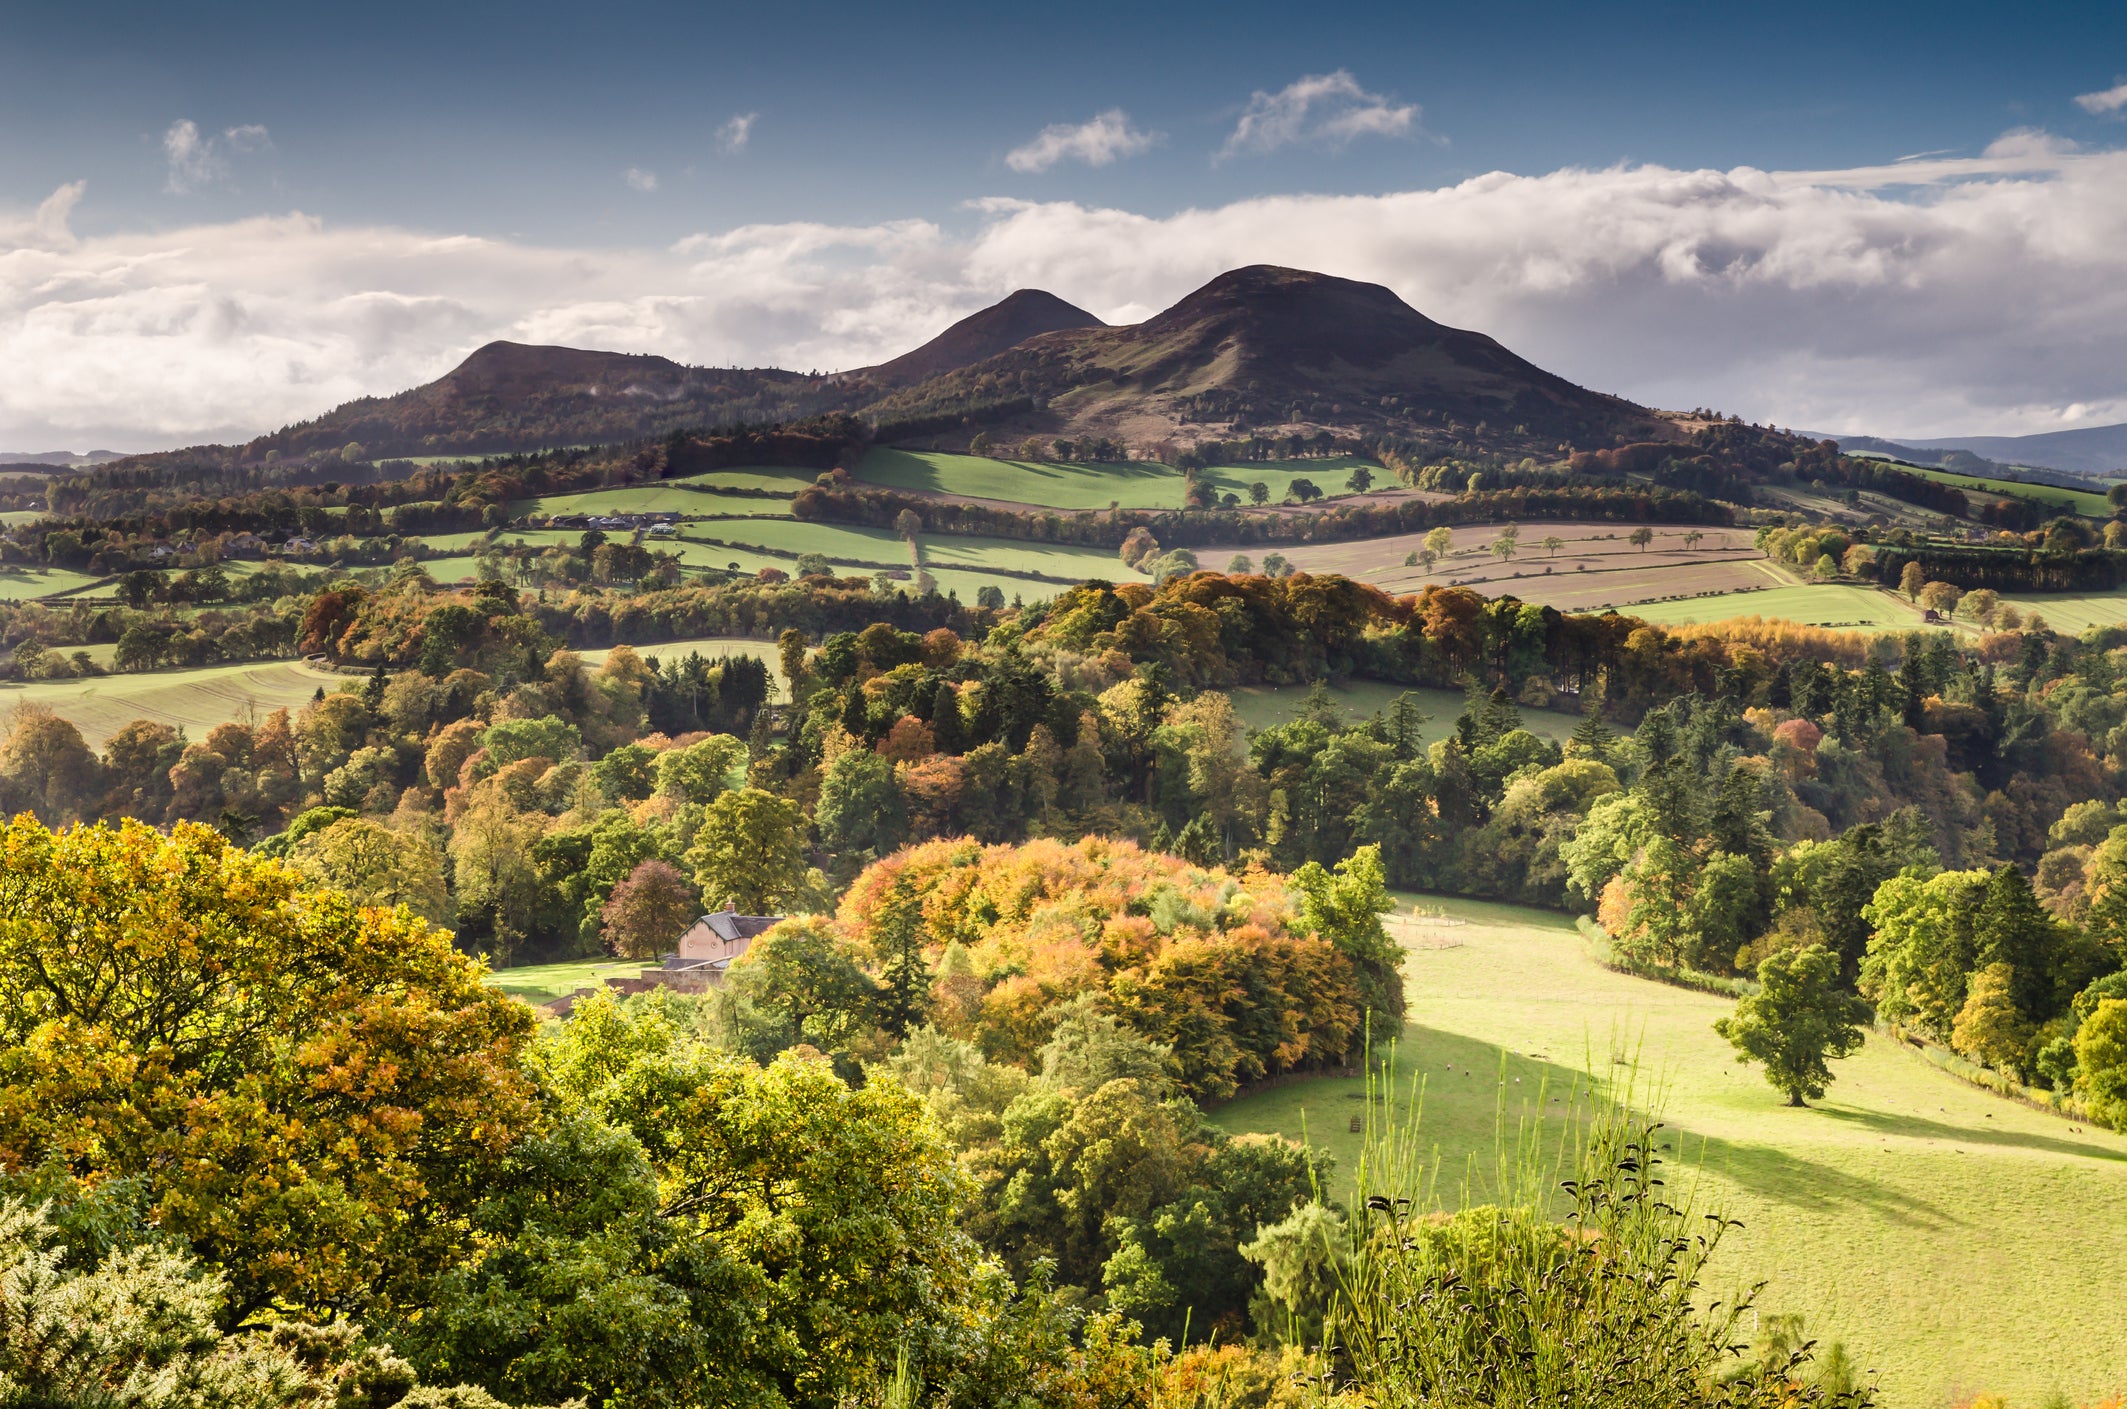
{"x": 2067, "y": 500}
{"x": 1835, "y": 605}
{"x": 1261, "y": 706}
{"x": 848, "y": 543}
{"x": 672, "y": 497}
{"x": 2075, "y": 612}
{"x": 194, "y": 700}
{"x": 1049, "y": 486}
{"x": 543, "y": 983}
{"x": 1955, "y": 1241}
{"x": 19, "y": 584}
{"x": 1329, "y": 475}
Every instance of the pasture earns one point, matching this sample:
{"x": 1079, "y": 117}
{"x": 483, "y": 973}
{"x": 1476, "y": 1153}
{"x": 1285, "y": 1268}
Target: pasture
{"x": 1827, "y": 604}
{"x": 1329, "y": 474}
{"x": 194, "y": 700}
{"x": 1262, "y": 706}
{"x": 20, "y": 584}
{"x": 2074, "y": 501}
{"x": 2074, "y": 612}
{"x": 543, "y": 983}
{"x": 1955, "y": 1242}
{"x": 693, "y": 495}
{"x": 1047, "y": 485}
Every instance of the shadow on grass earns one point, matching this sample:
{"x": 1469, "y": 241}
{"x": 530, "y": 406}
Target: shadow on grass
{"x": 1475, "y": 1097}
{"x": 1913, "y": 1127}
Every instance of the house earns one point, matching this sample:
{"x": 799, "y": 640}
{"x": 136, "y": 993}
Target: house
{"x": 244, "y": 545}
{"x": 706, "y": 950}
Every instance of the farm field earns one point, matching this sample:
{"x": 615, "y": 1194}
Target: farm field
{"x": 1049, "y": 486}
{"x": 543, "y": 983}
{"x": 194, "y": 700}
{"x": 2071, "y": 500}
{"x": 1955, "y": 1242}
{"x": 1595, "y": 568}
{"x": 1328, "y": 473}
{"x": 1262, "y": 706}
{"x": 670, "y": 497}
{"x": 2074, "y": 612}
{"x": 1828, "y": 604}
{"x": 19, "y": 584}
{"x": 848, "y": 543}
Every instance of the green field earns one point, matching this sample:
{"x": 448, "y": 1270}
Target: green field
{"x": 1050, "y": 486}
{"x": 2067, "y": 500}
{"x": 1955, "y": 1241}
{"x": 543, "y": 983}
{"x": 1835, "y": 605}
{"x": 672, "y": 497}
{"x": 19, "y": 584}
{"x": 2074, "y": 612}
{"x": 845, "y": 543}
{"x": 194, "y": 700}
{"x": 1262, "y": 706}
{"x": 1328, "y": 474}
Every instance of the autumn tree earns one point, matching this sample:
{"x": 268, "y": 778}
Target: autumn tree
{"x": 749, "y": 854}
{"x": 1912, "y": 580}
{"x": 1799, "y": 1018}
{"x": 646, "y": 913}
{"x": 299, "y": 1087}
{"x": 373, "y": 865}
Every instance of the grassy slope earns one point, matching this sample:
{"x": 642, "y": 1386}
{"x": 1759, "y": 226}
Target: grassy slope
{"x": 1048, "y": 486}
{"x": 2079, "y": 501}
{"x": 1954, "y": 1240}
{"x": 19, "y": 584}
{"x": 671, "y": 498}
{"x": 2074, "y": 612}
{"x": 195, "y": 700}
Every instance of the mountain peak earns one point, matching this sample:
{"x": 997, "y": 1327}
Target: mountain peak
{"x": 501, "y": 367}
{"x": 1022, "y": 314}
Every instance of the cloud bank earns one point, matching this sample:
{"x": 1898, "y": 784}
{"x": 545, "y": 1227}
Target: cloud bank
{"x": 1995, "y": 303}
{"x": 1099, "y": 141}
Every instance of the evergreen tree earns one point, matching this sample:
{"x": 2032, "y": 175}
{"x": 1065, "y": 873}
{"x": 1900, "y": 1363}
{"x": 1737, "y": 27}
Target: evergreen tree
{"x": 947, "y": 735}
{"x": 899, "y": 935}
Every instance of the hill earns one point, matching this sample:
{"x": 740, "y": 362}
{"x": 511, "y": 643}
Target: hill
{"x": 1270, "y": 348}
{"x": 510, "y": 396}
{"x": 1002, "y": 326}
{"x": 1897, "y": 1214}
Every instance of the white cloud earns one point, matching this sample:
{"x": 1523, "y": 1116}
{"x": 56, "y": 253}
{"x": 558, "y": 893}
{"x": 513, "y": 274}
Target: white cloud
{"x": 639, "y": 179}
{"x": 1327, "y": 108}
{"x": 734, "y": 135}
{"x": 1097, "y": 142}
{"x": 1973, "y": 303}
{"x": 2108, "y": 100}
{"x": 195, "y": 159}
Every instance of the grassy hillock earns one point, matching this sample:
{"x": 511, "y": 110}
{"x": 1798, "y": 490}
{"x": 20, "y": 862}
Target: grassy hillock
{"x": 1955, "y": 1241}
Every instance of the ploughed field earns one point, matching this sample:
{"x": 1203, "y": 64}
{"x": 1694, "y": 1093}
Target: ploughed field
{"x": 1955, "y": 1241}
{"x": 194, "y": 699}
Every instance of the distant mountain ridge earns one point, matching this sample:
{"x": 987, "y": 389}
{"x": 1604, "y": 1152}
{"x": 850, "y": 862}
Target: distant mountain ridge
{"x": 2090, "y": 450}
{"x": 1257, "y": 351}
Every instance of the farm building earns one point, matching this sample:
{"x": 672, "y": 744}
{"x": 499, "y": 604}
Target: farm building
{"x": 706, "y": 950}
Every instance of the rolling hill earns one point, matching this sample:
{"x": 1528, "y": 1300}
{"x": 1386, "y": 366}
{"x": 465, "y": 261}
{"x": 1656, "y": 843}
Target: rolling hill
{"x": 1267, "y": 347}
{"x": 1001, "y": 327}
{"x": 1260, "y": 350}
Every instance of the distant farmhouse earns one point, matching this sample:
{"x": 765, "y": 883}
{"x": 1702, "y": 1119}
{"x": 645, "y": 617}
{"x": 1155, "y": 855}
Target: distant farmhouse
{"x": 705, "y": 953}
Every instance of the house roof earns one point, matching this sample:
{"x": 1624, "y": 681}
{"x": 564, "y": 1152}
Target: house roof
{"x": 729, "y": 924}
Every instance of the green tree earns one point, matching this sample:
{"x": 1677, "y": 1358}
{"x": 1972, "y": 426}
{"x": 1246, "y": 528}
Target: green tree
{"x": 1798, "y": 1020}
{"x": 861, "y": 808}
{"x": 1346, "y": 909}
{"x": 700, "y": 772}
{"x": 899, "y": 938}
{"x": 373, "y": 865}
{"x": 749, "y": 854}
{"x": 1258, "y": 492}
{"x": 1360, "y": 480}
{"x": 2101, "y": 1061}
{"x": 1641, "y": 537}
{"x": 1990, "y": 1028}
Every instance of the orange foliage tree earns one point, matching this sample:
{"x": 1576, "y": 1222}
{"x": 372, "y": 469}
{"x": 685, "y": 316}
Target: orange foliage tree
{"x": 1213, "y": 965}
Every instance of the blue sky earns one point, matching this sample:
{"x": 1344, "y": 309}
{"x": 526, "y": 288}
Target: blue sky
{"x": 522, "y": 120}
{"x": 231, "y": 215}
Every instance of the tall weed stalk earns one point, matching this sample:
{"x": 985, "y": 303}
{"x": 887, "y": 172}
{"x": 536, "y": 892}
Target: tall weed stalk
{"x": 1579, "y": 1286}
